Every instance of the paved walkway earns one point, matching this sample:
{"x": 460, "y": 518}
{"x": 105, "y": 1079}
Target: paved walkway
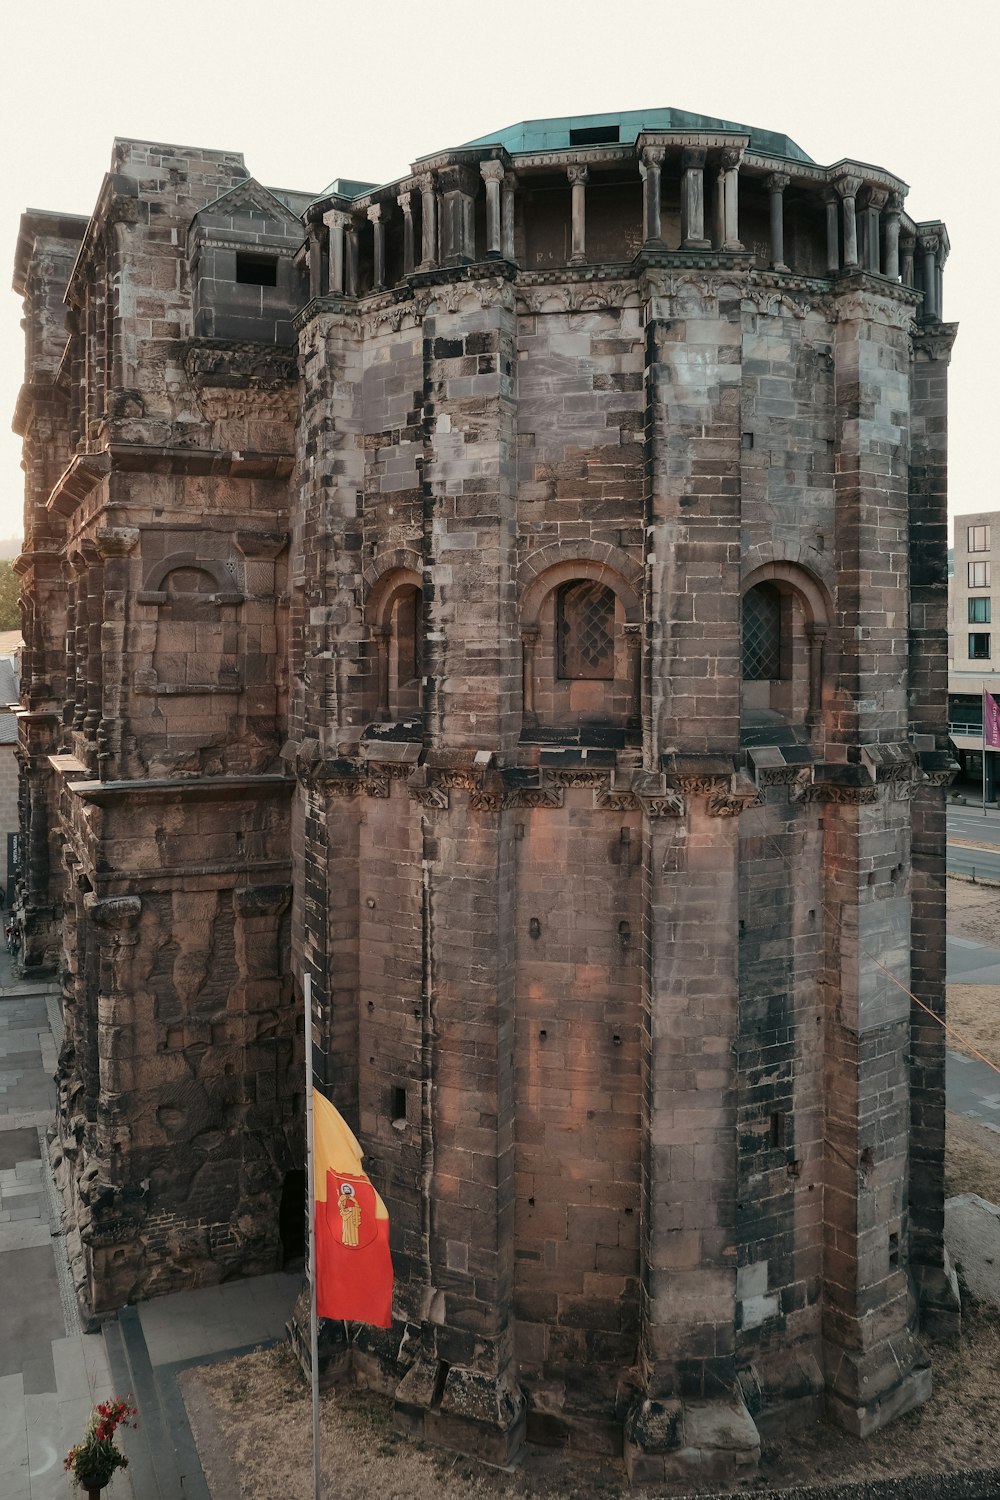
{"x": 51, "y": 1373}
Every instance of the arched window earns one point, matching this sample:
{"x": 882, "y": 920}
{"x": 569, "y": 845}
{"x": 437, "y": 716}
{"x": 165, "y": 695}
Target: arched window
{"x": 395, "y": 609}
{"x": 585, "y": 630}
{"x": 405, "y": 651}
{"x": 763, "y": 636}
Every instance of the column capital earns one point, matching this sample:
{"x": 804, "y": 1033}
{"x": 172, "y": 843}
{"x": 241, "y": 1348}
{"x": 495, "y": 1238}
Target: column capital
{"x": 492, "y": 171}
{"x": 907, "y": 242}
{"x": 375, "y": 213}
{"x": 653, "y": 156}
{"x": 457, "y": 179}
{"x": 876, "y": 197}
{"x": 426, "y": 182}
{"x": 777, "y": 182}
{"x": 578, "y": 172}
{"x": 929, "y": 241}
{"x": 693, "y": 157}
{"x": 894, "y": 204}
{"x": 510, "y": 181}
{"x": 731, "y": 157}
{"x": 336, "y": 218}
{"x": 847, "y": 185}
{"x": 405, "y": 202}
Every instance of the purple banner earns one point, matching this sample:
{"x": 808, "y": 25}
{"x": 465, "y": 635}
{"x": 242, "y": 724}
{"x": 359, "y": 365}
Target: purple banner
{"x": 991, "y": 721}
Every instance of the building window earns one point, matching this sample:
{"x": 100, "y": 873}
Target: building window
{"x": 762, "y": 634}
{"x": 979, "y": 538}
{"x": 256, "y": 270}
{"x": 585, "y": 625}
{"x": 979, "y": 645}
{"x": 979, "y": 575}
{"x": 979, "y": 611}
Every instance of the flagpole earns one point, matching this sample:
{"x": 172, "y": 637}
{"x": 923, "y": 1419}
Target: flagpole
{"x": 311, "y": 1181}
{"x": 984, "y": 749}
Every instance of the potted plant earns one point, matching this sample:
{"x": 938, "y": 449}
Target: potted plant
{"x": 94, "y": 1461}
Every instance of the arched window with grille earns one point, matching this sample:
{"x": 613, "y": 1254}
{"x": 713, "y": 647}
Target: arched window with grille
{"x": 762, "y": 634}
{"x": 585, "y": 631}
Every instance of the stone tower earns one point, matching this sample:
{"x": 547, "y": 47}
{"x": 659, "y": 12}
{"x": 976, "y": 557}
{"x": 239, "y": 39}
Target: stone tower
{"x": 552, "y": 665}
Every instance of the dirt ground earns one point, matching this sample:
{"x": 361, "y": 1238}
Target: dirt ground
{"x": 251, "y": 1416}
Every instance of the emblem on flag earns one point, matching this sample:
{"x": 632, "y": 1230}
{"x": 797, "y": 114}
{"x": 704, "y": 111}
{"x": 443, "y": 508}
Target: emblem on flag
{"x": 353, "y": 1264}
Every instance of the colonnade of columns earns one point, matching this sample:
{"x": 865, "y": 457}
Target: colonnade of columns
{"x": 863, "y": 222}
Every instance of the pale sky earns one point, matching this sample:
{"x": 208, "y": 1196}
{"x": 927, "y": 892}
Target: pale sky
{"x": 310, "y": 91}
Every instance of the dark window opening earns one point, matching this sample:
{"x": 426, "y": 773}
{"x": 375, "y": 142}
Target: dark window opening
{"x": 777, "y": 1131}
{"x": 397, "y": 1107}
{"x": 257, "y": 270}
{"x": 595, "y": 135}
{"x": 585, "y": 620}
{"x": 979, "y": 645}
{"x": 979, "y": 611}
{"x": 762, "y": 634}
{"x": 292, "y": 1218}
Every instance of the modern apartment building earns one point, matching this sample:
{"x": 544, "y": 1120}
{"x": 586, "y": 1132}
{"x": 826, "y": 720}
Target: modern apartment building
{"x": 974, "y": 640}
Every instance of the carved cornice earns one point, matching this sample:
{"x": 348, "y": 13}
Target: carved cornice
{"x": 242, "y": 379}
{"x": 934, "y": 341}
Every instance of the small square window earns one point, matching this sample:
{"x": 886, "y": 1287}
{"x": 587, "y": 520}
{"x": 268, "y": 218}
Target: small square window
{"x": 979, "y": 575}
{"x": 979, "y": 611}
{"x": 979, "y": 645}
{"x": 257, "y": 270}
{"x": 979, "y": 538}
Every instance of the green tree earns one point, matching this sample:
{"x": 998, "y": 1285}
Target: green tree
{"x": 10, "y": 588}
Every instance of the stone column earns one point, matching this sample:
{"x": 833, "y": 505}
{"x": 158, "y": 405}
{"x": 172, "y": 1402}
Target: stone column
{"x": 776, "y": 184}
{"x": 81, "y": 641}
{"x": 428, "y": 222}
{"x": 405, "y": 201}
{"x": 115, "y": 544}
{"x": 463, "y": 1380}
{"x": 848, "y": 188}
{"x": 907, "y": 245}
{"x": 731, "y": 158}
{"x": 378, "y": 243}
{"x": 529, "y": 644}
{"x": 693, "y": 200}
{"x": 335, "y": 222}
{"x": 381, "y": 635}
{"x": 891, "y": 220}
{"x": 315, "y": 262}
{"x": 351, "y": 287}
{"x": 578, "y": 178}
{"x": 458, "y": 186}
{"x": 689, "y": 1421}
{"x": 875, "y": 200}
{"x": 650, "y": 164}
{"x": 928, "y": 681}
{"x": 95, "y": 621}
{"x": 507, "y": 216}
{"x": 928, "y": 250}
{"x": 832, "y": 200}
{"x": 492, "y": 173}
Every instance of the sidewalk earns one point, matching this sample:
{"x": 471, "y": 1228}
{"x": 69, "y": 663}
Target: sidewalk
{"x": 51, "y": 1373}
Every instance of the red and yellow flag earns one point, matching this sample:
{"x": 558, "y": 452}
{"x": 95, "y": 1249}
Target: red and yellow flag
{"x": 353, "y": 1265}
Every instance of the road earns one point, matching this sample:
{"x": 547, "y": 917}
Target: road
{"x": 972, "y": 1088}
{"x": 967, "y": 825}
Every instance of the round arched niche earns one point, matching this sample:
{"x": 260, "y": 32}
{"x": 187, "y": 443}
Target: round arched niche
{"x": 581, "y": 643}
{"x": 785, "y": 620}
{"x": 395, "y": 615}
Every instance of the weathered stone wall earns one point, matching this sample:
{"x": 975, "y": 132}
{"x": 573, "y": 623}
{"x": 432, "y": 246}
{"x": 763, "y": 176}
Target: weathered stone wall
{"x": 415, "y": 667}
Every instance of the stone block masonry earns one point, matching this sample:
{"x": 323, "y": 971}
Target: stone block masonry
{"x": 505, "y": 598}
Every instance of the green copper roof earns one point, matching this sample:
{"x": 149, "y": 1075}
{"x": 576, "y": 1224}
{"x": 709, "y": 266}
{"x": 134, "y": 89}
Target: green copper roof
{"x": 554, "y": 135}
